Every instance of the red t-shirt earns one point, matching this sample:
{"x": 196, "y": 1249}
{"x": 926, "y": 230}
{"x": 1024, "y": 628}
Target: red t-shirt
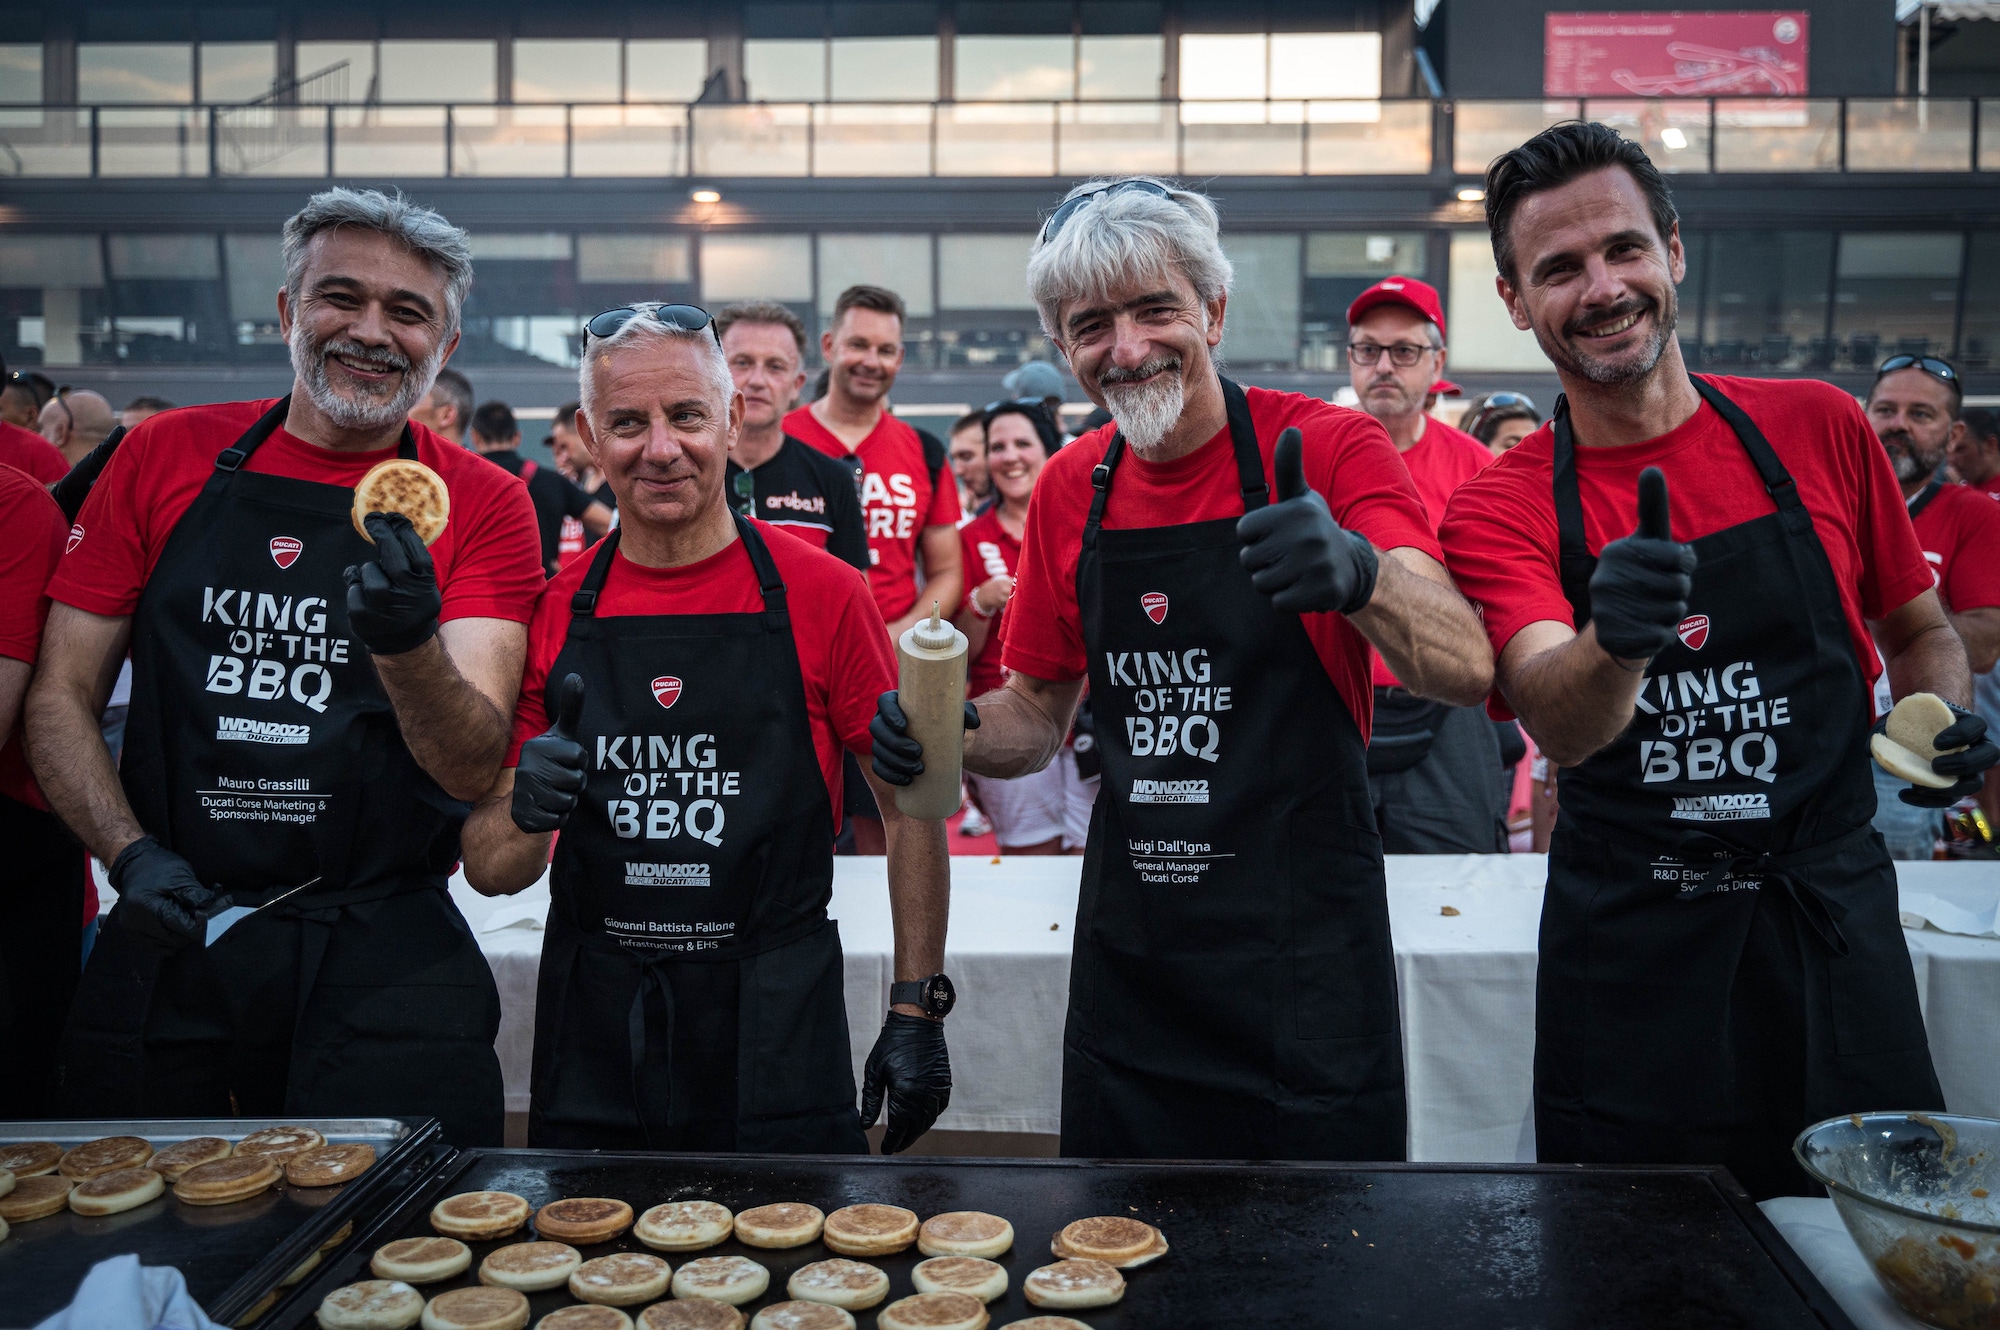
{"x": 32, "y": 453}
{"x": 1348, "y": 459}
{"x": 844, "y": 657}
{"x": 985, "y": 550}
{"x": 1959, "y": 532}
{"x": 1500, "y": 530}
{"x": 1990, "y": 488}
{"x": 28, "y": 558}
{"x": 489, "y": 558}
{"x": 1439, "y": 463}
{"x": 897, "y": 498}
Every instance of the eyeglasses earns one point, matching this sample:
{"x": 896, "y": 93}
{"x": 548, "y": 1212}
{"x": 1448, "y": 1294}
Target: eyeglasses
{"x": 1931, "y": 365}
{"x": 1402, "y": 355}
{"x": 687, "y": 318}
{"x": 745, "y": 486}
{"x": 1060, "y": 217}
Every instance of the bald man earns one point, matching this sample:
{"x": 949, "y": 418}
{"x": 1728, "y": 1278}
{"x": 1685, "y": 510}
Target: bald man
{"x": 76, "y": 422}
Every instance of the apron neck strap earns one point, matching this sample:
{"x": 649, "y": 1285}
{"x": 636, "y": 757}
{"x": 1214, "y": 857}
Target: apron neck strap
{"x": 236, "y": 454}
{"x": 583, "y": 605}
{"x": 1925, "y": 495}
{"x": 1784, "y": 491}
{"x": 1242, "y": 442}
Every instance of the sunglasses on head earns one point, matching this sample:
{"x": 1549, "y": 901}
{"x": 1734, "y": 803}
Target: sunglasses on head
{"x": 1060, "y": 217}
{"x": 686, "y": 318}
{"x": 1931, "y": 365}
{"x": 1035, "y": 403}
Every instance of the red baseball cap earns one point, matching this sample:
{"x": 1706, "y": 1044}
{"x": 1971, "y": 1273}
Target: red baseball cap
{"x": 1446, "y": 388}
{"x": 1406, "y": 291}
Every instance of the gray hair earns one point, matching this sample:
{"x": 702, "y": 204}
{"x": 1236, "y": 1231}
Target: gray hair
{"x": 1132, "y": 235}
{"x": 416, "y": 228}
{"x": 1432, "y": 334}
{"x": 646, "y": 329}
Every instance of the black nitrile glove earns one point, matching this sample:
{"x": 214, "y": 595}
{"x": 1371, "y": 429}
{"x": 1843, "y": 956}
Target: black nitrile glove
{"x": 74, "y": 488}
{"x": 159, "y": 897}
{"x": 1970, "y": 766}
{"x": 1296, "y": 553}
{"x": 910, "y": 1062}
{"x": 899, "y": 759}
{"x": 1639, "y": 593}
{"x": 393, "y": 602}
{"x": 549, "y": 779}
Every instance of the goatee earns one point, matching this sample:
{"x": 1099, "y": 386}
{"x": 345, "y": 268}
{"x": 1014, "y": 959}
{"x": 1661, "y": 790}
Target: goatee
{"x": 368, "y": 408}
{"x": 1146, "y": 412}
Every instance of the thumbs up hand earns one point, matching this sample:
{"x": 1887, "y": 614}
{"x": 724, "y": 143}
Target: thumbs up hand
{"x": 1639, "y": 593}
{"x": 550, "y": 776}
{"x": 1296, "y": 553}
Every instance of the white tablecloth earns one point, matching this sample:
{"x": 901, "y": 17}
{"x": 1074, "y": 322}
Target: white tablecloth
{"x": 1467, "y": 984}
{"x": 1813, "y": 1228}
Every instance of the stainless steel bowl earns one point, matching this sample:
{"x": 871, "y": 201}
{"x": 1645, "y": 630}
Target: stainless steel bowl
{"x": 1920, "y": 1193}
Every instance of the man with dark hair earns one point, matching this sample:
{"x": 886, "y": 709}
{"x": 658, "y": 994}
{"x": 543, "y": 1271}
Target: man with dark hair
{"x": 574, "y": 461}
{"x": 20, "y": 404}
{"x": 447, "y": 407}
{"x": 910, "y": 503}
{"x": 1975, "y": 452}
{"x": 967, "y": 449}
{"x": 142, "y": 407}
{"x": 20, "y": 445}
{"x": 771, "y": 475}
{"x": 1721, "y": 957}
{"x": 496, "y": 436}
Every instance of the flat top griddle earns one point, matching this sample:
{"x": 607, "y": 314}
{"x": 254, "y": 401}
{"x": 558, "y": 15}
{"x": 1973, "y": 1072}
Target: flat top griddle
{"x": 1303, "y": 1244}
{"x": 231, "y": 1255}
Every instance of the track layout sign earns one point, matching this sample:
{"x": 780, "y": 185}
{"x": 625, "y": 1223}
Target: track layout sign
{"x": 1720, "y": 53}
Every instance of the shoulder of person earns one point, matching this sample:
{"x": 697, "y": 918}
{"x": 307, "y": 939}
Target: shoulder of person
{"x": 1068, "y": 472}
{"x": 1457, "y": 439}
{"x": 1524, "y": 472}
{"x": 23, "y": 498}
{"x": 211, "y": 426}
{"x": 804, "y": 566}
{"x": 984, "y": 526}
{"x": 1970, "y": 509}
{"x": 1780, "y": 402}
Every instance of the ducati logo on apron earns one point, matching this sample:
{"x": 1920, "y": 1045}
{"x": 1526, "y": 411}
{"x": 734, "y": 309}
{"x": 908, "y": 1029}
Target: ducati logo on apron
{"x": 285, "y": 550}
{"x": 1693, "y": 631}
{"x": 666, "y": 690}
{"x": 1155, "y": 605}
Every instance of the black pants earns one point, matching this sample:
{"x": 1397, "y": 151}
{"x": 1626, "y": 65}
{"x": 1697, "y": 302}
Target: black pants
{"x": 41, "y": 946}
{"x": 1452, "y": 802}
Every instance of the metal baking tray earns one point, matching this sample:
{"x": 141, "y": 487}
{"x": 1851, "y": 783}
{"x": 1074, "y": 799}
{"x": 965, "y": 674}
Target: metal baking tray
{"x": 231, "y": 1255}
{"x": 1297, "y": 1244}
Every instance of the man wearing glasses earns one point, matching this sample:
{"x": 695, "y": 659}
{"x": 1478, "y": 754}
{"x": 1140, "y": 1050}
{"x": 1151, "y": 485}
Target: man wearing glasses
{"x": 1216, "y": 567}
{"x": 1434, "y": 769}
{"x": 773, "y": 476}
{"x": 691, "y": 685}
{"x": 1721, "y": 958}
{"x": 1914, "y": 407}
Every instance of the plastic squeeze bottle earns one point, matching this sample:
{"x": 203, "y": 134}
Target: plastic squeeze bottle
{"x": 932, "y": 659}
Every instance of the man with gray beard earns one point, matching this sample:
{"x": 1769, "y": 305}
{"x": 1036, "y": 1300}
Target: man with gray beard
{"x": 312, "y": 707}
{"x": 1216, "y": 565}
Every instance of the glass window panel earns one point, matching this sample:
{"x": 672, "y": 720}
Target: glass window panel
{"x": 1118, "y": 139}
{"x": 901, "y": 263}
{"x": 885, "y": 69}
{"x": 628, "y": 140}
{"x": 1979, "y": 340}
{"x": 162, "y": 142}
{"x": 270, "y": 140}
{"x": 1109, "y": 68}
{"x": 20, "y": 72}
{"x": 507, "y": 141}
{"x": 883, "y": 18}
{"x": 335, "y": 71}
{"x": 438, "y": 71}
{"x": 1262, "y": 325}
{"x": 784, "y": 71}
{"x": 1482, "y": 131}
{"x": 1243, "y": 138}
{"x": 1909, "y": 134}
{"x": 759, "y": 139}
{"x": 59, "y": 261}
{"x": 134, "y": 72}
{"x": 1340, "y": 265}
{"x": 995, "y": 139}
{"x": 378, "y": 141}
{"x": 750, "y": 267}
{"x": 1000, "y": 69}
{"x": 1326, "y": 64}
{"x": 237, "y": 71}
{"x": 634, "y": 258}
{"x": 519, "y": 245}
{"x": 1224, "y": 67}
{"x": 1368, "y": 138}
{"x": 1765, "y": 303}
{"x": 1989, "y": 134}
{"x": 859, "y": 140}
{"x": 1896, "y": 293}
{"x": 565, "y": 71}
{"x": 1777, "y": 135}
{"x": 984, "y": 272}
{"x": 50, "y": 142}
{"x": 1673, "y": 133}
{"x": 256, "y": 270}
{"x": 665, "y": 71}
{"x": 1483, "y": 337}
{"x": 178, "y": 257}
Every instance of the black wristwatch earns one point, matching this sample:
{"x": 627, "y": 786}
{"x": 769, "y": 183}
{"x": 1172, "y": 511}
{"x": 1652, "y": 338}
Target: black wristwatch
{"x": 934, "y": 995}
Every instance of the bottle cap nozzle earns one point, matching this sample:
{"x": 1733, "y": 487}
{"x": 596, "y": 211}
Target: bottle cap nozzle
{"x": 934, "y": 634}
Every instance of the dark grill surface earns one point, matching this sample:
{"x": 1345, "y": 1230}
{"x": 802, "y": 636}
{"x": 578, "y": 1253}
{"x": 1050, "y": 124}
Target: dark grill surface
{"x": 1313, "y": 1244}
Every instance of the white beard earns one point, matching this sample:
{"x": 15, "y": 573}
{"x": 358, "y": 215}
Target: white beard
{"x": 1146, "y": 412}
{"x": 366, "y": 412}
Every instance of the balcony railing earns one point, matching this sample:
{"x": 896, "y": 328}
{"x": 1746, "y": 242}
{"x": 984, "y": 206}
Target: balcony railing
{"x": 990, "y": 139}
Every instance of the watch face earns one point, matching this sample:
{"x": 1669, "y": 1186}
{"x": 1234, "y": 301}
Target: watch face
{"x": 939, "y": 995}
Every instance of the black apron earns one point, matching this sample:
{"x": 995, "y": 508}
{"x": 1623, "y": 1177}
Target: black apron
{"x": 1233, "y": 987}
{"x": 262, "y": 748}
{"x": 1722, "y": 961}
{"x": 691, "y": 993}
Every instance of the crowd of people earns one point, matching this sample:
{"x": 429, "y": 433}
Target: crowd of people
{"x": 1229, "y": 644}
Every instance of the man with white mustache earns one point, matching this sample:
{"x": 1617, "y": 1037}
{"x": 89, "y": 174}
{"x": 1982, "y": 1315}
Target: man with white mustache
{"x": 311, "y": 708}
{"x": 1216, "y": 565}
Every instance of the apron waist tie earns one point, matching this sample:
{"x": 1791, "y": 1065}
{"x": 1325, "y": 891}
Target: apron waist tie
{"x": 1711, "y": 868}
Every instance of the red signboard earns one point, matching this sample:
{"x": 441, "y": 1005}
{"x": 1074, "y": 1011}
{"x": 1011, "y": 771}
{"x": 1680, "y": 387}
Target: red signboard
{"x": 1724, "y": 53}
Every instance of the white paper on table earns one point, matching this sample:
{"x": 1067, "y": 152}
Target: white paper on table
{"x": 1813, "y": 1228}
{"x": 1979, "y": 919}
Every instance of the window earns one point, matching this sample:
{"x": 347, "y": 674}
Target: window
{"x": 784, "y": 70}
{"x": 750, "y": 267}
{"x": 20, "y": 72}
{"x": 1224, "y": 67}
{"x": 1114, "y": 68}
{"x": 255, "y": 266}
{"x": 1762, "y": 299}
{"x": 1340, "y": 265}
{"x": 1896, "y": 292}
{"x": 335, "y": 71}
{"x": 1483, "y": 337}
{"x": 438, "y": 71}
{"x": 237, "y": 71}
{"x": 1253, "y": 66}
{"x": 665, "y": 71}
{"x": 1979, "y": 341}
{"x": 610, "y": 259}
{"x": 884, "y": 69}
{"x": 1014, "y": 69}
{"x": 984, "y": 272}
{"x": 566, "y": 71}
{"x": 900, "y": 262}
{"x": 134, "y": 72}
{"x": 164, "y": 257}
{"x": 1263, "y": 318}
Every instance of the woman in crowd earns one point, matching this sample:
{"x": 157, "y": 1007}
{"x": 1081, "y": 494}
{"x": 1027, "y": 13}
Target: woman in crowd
{"x": 1501, "y": 420}
{"x": 1048, "y": 812}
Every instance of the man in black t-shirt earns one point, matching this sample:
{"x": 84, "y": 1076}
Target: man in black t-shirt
{"x": 773, "y": 476}
{"x": 496, "y": 436}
